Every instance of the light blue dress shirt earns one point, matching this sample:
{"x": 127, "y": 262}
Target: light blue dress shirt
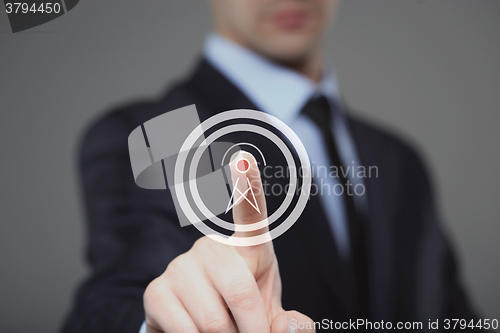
{"x": 282, "y": 93}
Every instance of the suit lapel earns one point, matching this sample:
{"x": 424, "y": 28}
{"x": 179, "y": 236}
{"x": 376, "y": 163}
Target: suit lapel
{"x": 381, "y": 269}
{"x": 215, "y": 91}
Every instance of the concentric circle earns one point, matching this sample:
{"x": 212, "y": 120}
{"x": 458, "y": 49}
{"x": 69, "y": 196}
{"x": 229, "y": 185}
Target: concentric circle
{"x": 218, "y": 119}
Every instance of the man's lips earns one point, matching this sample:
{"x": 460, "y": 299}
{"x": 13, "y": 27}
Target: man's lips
{"x": 291, "y": 19}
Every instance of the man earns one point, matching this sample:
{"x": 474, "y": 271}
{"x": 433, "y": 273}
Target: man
{"x": 377, "y": 257}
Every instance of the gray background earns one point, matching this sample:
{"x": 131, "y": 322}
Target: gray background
{"x": 430, "y": 69}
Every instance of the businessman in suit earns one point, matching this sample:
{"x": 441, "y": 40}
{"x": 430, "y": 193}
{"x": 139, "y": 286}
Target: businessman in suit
{"x": 379, "y": 256}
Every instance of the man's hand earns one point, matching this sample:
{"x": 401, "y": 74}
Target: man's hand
{"x": 220, "y": 288}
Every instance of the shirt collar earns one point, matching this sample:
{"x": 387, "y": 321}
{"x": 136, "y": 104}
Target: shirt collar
{"x": 274, "y": 89}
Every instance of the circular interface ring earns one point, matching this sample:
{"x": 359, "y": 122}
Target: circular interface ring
{"x": 243, "y": 114}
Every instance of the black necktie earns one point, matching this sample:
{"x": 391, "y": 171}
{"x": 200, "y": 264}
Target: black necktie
{"x": 319, "y": 110}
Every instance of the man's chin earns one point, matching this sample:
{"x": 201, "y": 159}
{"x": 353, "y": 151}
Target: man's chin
{"x": 286, "y": 53}
{"x": 289, "y": 43}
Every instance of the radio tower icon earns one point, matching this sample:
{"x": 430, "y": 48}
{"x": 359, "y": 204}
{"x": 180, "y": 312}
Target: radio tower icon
{"x": 241, "y": 193}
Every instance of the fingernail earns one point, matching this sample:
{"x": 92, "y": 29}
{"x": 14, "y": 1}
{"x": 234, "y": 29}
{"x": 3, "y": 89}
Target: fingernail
{"x": 235, "y": 155}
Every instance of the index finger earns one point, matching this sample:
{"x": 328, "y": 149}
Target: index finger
{"x": 248, "y": 198}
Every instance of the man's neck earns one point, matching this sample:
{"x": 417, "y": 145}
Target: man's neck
{"x": 310, "y": 65}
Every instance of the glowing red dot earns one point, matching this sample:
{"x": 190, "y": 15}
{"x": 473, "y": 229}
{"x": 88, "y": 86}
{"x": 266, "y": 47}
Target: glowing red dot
{"x": 242, "y": 165}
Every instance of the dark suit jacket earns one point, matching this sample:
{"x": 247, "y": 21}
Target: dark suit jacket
{"x": 133, "y": 233}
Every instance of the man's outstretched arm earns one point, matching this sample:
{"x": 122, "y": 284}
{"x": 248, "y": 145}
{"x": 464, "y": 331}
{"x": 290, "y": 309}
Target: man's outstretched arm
{"x": 132, "y": 233}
